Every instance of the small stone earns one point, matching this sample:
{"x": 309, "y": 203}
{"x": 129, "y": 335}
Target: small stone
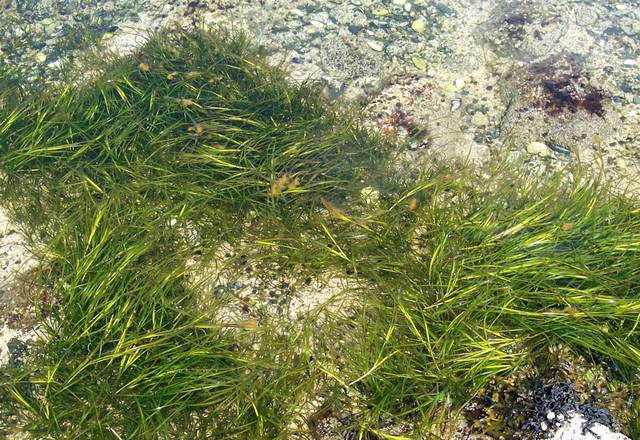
{"x": 450, "y": 88}
{"x": 375, "y": 45}
{"x": 560, "y": 417}
{"x": 561, "y": 150}
{"x": 538, "y": 148}
{"x": 296, "y": 13}
{"x": 46, "y": 22}
{"x": 316, "y": 23}
{"x": 459, "y": 83}
{"x": 551, "y": 415}
{"x": 370, "y": 195}
{"x": 455, "y": 105}
{"x": 41, "y": 57}
{"x": 419, "y": 62}
{"x": 380, "y": 12}
{"x": 419, "y": 25}
{"x": 636, "y": 100}
{"x": 621, "y": 163}
{"x": 544, "y": 426}
{"x": 629, "y": 62}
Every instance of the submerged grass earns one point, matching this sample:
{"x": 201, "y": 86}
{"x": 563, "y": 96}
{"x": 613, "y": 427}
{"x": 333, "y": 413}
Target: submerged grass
{"x": 480, "y": 283}
{"x": 195, "y": 141}
{"x": 126, "y": 357}
{"x": 202, "y": 123}
{"x": 192, "y": 133}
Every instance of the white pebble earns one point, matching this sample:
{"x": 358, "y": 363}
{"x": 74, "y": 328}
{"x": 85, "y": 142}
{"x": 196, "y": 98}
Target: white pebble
{"x": 538, "y": 148}
{"x": 375, "y": 45}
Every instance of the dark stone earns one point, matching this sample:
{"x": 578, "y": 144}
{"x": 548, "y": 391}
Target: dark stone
{"x": 17, "y": 352}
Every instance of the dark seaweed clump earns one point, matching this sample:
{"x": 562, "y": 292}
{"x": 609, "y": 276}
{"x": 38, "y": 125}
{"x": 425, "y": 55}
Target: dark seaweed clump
{"x": 593, "y": 414}
{"x": 566, "y": 92}
{"x": 526, "y": 408}
{"x": 532, "y": 405}
{"x": 513, "y": 26}
{"x": 566, "y": 88}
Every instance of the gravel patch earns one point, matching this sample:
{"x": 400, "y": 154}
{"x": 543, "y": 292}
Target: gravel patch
{"x": 14, "y": 259}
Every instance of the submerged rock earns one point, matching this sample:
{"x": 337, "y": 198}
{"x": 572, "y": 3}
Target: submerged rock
{"x": 538, "y": 148}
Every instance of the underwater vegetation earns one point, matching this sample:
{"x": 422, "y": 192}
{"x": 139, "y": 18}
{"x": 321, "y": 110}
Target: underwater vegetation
{"x": 566, "y": 87}
{"x": 457, "y": 282}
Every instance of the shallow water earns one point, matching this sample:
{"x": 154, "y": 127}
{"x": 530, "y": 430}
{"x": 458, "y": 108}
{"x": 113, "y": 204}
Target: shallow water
{"x": 550, "y": 81}
{"x": 467, "y": 76}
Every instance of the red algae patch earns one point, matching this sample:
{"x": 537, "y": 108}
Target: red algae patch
{"x": 561, "y": 85}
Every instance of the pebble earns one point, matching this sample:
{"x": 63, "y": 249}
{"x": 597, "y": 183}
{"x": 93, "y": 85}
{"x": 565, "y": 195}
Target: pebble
{"x": 380, "y": 12}
{"x": 551, "y": 415}
{"x": 455, "y": 105}
{"x": 41, "y": 57}
{"x": 370, "y": 195}
{"x": 296, "y": 12}
{"x": 621, "y": 163}
{"x": 561, "y": 150}
{"x": 538, "y": 148}
{"x": 316, "y": 23}
{"x": 450, "y": 88}
{"x": 419, "y": 62}
{"x": 544, "y": 426}
{"x": 629, "y": 62}
{"x": 375, "y": 45}
{"x": 419, "y": 25}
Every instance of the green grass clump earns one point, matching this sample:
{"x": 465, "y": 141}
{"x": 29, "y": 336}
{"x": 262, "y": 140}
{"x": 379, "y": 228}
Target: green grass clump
{"x": 126, "y": 357}
{"x": 190, "y": 120}
{"x": 475, "y": 283}
{"x": 193, "y": 134}
{"x": 195, "y": 141}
